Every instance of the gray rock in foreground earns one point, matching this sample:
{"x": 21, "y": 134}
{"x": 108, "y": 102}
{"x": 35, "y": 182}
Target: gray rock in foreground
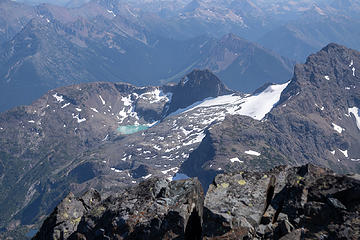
{"x": 154, "y": 209}
{"x": 306, "y": 202}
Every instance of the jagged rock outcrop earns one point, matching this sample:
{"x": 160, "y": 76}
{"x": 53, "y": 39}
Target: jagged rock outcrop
{"x": 306, "y": 202}
{"x": 154, "y": 209}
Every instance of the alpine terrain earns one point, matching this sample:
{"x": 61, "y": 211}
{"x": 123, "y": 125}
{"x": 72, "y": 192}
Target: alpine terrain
{"x": 131, "y": 144}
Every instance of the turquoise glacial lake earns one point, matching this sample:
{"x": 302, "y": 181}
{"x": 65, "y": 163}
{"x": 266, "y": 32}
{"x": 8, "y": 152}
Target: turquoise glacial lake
{"x": 130, "y": 129}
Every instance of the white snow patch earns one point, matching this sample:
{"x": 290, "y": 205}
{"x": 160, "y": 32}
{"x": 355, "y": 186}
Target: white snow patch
{"x": 94, "y": 109}
{"x": 251, "y": 152}
{"x": 327, "y": 78}
{"x": 353, "y": 71}
{"x": 102, "y": 100}
{"x": 78, "y": 109}
{"x": 109, "y": 11}
{"x": 253, "y": 106}
{"x": 337, "y": 128}
{"x": 79, "y": 120}
{"x": 152, "y": 124}
{"x": 147, "y": 176}
{"x": 333, "y": 152}
{"x": 115, "y": 170}
{"x": 122, "y": 115}
{"x": 345, "y": 152}
{"x": 105, "y": 138}
{"x": 156, "y": 95}
{"x": 355, "y": 160}
{"x": 209, "y": 102}
{"x": 235, "y": 159}
{"x": 127, "y": 100}
{"x": 31, "y": 121}
{"x": 197, "y": 139}
{"x": 157, "y": 147}
{"x": 65, "y": 105}
{"x": 59, "y": 98}
{"x": 355, "y": 112}
{"x": 259, "y": 105}
{"x": 185, "y": 155}
{"x": 175, "y": 169}
{"x": 216, "y": 109}
{"x": 351, "y": 63}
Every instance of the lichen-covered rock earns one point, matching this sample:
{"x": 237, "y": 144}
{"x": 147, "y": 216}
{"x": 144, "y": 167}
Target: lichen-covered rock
{"x": 154, "y": 209}
{"x": 67, "y": 216}
{"x": 305, "y": 202}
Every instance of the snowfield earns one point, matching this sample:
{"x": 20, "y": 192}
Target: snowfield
{"x": 254, "y": 106}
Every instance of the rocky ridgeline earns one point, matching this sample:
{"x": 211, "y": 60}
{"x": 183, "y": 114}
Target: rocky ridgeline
{"x": 306, "y": 202}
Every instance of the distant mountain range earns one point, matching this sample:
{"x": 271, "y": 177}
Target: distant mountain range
{"x": 60, "y": 46}
{"x": 111, "y": 135}
{"x": 44, "y": 46}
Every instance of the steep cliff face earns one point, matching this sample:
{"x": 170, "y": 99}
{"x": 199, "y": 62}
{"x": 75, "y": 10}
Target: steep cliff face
{"x": 306, "y": 202}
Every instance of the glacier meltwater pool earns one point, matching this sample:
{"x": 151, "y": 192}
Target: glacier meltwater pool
{"x": 130, "y": 129}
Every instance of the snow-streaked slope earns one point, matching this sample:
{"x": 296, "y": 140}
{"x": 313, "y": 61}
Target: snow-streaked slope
{"x": 254, "y": 106}
{"x": 259, "y": 105}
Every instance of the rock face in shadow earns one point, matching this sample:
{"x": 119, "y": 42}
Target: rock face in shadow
{"x": 306, "y": 202}
{"x": 154, "y": 209}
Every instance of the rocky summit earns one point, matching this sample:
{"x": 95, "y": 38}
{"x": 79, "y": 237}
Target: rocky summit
{"x": 306, "y": 202}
